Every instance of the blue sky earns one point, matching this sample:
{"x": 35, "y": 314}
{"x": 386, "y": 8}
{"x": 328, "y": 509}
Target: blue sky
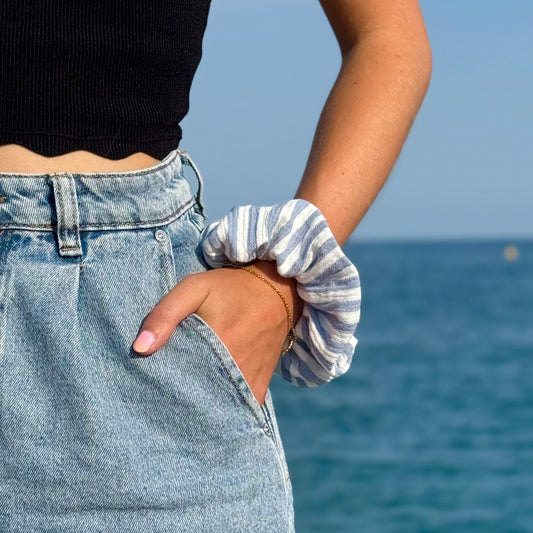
{"x": 465, "y": 171}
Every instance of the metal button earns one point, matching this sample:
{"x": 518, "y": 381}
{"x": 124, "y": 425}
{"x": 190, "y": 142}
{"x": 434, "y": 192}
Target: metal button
{"x": 160, "y": 235}
{"x": 266, "y": 429}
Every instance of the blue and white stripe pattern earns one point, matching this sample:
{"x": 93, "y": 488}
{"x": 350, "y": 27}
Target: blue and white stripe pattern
{"x": 296, "y": 235}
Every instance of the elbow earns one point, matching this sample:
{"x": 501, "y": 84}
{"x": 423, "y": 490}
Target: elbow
{"x": 414, "y": 56}
{"x": 414, "y": 61}
{"x": 406, "y": 52}
{"x": 424, "y": 61}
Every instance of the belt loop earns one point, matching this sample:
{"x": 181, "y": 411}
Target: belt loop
{"x": 186, "y": 158}
{"x": 67, "y": 214}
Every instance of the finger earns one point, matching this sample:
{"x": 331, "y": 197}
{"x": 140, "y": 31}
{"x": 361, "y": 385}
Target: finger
{"x": 182, "y": 300}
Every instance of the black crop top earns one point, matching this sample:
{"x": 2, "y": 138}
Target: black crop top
{"x": 108, "y": 76}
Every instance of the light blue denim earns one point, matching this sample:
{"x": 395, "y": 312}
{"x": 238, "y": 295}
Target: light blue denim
{"x": 94, "y": 437}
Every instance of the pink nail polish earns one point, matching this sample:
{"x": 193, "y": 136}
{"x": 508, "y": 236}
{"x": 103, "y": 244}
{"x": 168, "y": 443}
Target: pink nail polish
{"x": 144, "y": 341}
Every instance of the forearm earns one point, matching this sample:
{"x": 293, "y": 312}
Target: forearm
{"x": 365, "y": 121}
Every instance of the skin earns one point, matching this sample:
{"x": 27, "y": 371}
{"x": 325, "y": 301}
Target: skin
{"x": 19, "y": 159}
{"x": 384, "y": 76}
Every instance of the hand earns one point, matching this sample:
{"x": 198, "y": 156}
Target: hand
{"x": 247, "y": 315}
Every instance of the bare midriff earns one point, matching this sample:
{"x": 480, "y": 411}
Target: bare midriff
{"x": 18, "y": 159}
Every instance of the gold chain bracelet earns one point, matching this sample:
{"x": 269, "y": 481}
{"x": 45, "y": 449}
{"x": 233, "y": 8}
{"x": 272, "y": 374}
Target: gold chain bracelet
{"x": 291, "y": 335}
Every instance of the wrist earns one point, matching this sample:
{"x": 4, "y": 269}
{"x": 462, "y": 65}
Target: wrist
{"x": 292, "y": 245}
{"x": 287, "y": 286}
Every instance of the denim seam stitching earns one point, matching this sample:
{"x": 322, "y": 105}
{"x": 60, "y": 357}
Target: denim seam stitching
{"x": 200, "y": 226}
{"x": 284, "y": 478}
{"x": 88, "y": 227}
{"x": 215, "y": 349}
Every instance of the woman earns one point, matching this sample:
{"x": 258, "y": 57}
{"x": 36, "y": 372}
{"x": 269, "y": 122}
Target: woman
{"x": 134, "y": 378}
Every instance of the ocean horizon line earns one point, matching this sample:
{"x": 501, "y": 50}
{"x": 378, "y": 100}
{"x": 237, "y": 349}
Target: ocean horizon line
{"x": 504, "y": 240}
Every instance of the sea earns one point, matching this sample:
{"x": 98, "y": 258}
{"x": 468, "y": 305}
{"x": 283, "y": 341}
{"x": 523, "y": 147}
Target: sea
{"x": 431, "y": 428}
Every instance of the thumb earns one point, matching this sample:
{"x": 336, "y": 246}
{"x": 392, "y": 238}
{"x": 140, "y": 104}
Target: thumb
{"x": 183, "y": 299}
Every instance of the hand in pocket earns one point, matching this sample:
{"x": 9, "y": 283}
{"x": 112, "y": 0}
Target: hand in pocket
{"x": 244, "y": 311}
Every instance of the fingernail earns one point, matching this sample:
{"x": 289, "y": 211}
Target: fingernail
{"x": 144, "y": 341}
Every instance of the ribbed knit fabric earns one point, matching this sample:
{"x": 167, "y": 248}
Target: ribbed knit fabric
{"x": 110, "y": 77}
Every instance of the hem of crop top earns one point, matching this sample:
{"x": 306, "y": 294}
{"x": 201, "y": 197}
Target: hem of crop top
{"x": 49, "y": 144}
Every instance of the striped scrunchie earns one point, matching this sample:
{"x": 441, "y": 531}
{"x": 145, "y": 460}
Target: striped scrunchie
{"x": 296, "y": 235}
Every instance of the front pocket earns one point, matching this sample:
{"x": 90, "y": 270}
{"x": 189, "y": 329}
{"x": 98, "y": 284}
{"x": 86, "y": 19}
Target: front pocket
{"x": 234, "y": 373}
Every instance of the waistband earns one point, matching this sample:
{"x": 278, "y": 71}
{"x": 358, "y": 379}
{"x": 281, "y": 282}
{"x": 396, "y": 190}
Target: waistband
{"x": 70, "y": 202}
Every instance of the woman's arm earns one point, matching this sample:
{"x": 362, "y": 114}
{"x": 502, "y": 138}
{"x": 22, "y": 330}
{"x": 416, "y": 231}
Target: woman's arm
{"x": 385, "y": 72}
{"x": 386, "y": 63}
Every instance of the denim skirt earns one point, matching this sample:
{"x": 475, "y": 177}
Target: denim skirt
{"x": 93, "y": 436}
